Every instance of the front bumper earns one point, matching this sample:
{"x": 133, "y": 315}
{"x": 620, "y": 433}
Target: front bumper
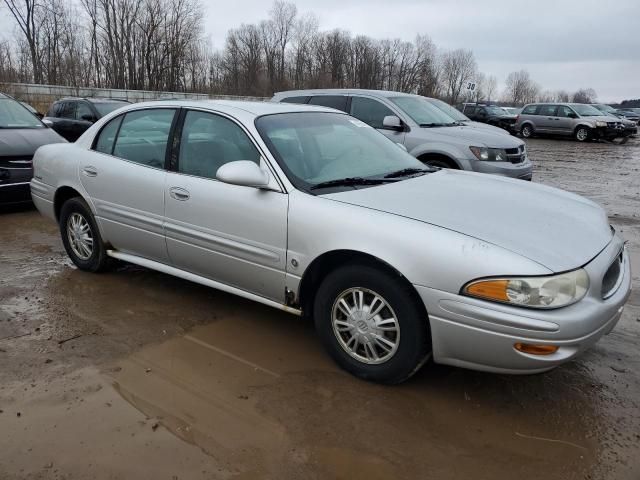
{"x": 610, "y": 133}
{"x": 523, "y": 170}
{"x": 477, "y": 334}
{"x": 11, "y": 193}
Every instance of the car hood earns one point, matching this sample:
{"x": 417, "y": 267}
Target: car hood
{"x": 486, "y": 127}
{"x": 468, "y": 136}
{"x": 554, "y": 228}
{"x": 22, "y": 142}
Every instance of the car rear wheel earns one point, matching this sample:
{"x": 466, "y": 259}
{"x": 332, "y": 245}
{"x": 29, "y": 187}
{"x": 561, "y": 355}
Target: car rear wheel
{"x": 526, "y": 131}
{"x": 371, "y": 324}
{"x": 583, "y": 134}
{"x": 81, "y": 237}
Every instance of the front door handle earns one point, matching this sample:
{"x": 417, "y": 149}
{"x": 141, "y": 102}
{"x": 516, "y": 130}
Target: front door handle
{"x": 179, "y": 193}
{"x": 90, "y": 171}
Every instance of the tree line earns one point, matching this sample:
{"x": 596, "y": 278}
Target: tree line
{"x": 161, "y": 45}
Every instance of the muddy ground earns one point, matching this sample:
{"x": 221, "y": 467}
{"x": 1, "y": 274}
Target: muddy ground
{"x": 135, "y": 374}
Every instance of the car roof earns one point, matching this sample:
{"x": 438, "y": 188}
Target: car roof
{"x": 96, "y": 99}
{"x": 341, "y": 91}
{"x": 254, "y": 108}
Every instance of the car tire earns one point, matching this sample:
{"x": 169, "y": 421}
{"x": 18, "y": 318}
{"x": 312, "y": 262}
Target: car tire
{"x": 527, "y": 131}
{"x": 438, "y": 163}
{"x": 81, "y": 237}
{"x": 582, "y": 134}
{"x": 406, "y": 338}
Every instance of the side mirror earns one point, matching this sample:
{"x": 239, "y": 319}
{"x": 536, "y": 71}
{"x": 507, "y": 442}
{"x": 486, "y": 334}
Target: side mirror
{"x": 243, "y": 172}
{"x": 573, "y": 115}
{"x": 88, "y": 118}
{"x": 47, "y": 123}
{"x": 392, "y": 122}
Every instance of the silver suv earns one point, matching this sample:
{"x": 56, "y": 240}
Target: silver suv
{"x": 583, "y": 122}
{"x": 427, "y": 132}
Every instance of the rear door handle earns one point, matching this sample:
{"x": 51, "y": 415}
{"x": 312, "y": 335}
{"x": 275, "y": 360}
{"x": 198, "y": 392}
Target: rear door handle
{"x": 90, "y": 171}
{"x": 179, "y": 193}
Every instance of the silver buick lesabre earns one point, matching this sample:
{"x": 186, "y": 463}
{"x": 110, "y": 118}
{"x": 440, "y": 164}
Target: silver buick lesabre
{"x": 311, "y": 211}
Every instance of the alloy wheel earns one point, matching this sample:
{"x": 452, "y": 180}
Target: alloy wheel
{"x": 80, "y": 236}
{"x": 365, "y": 325}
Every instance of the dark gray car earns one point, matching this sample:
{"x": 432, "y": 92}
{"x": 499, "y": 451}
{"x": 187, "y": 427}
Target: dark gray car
{"x": 21, "y": 133}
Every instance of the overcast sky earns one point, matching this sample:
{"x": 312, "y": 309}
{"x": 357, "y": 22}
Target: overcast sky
{"x": 565, "y": 44}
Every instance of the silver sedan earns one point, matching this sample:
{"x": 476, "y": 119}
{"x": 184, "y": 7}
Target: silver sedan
{"x": 314, "y": 212}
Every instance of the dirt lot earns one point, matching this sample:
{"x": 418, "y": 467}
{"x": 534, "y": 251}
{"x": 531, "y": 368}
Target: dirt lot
{"x": 135, "y": 374}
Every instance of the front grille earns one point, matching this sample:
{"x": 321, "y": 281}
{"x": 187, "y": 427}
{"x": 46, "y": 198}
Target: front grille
{"x": 612, "y": 278}
{"x": 516, "y": 155}
{"x": 615, "y": 125}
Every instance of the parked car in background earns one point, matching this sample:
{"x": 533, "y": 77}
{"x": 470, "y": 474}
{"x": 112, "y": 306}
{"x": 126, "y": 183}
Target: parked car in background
{"x": 630, "y": 115}
{"x": 427, "y": 132}
{"x": 21, "y": 133}
{"x": 630, "y": 125}
{"x": 491, "y": 114}
{"x": 312, "y": 211}
{"x": 614, "y": 112}
{"x": 71, "y": 117}
{"x": 583, "y": 122}
{"x": 512, "y": 110}
{"x": 32, "y": 110}
{"x": 460, "y": 117}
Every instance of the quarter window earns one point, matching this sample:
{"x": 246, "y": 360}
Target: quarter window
{"x": 144, "y": 135}
{"x": 369, "y": 111}
{"x": 209, "y": 141}
{"x": 339, "y": 102}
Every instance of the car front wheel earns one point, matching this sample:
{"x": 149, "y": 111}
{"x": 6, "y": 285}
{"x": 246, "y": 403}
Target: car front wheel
{"x": 371, "y": 324}
{"x": 527, "y": 131}
{"x": 583, "y": 134}
{"x": 81, "y": 237}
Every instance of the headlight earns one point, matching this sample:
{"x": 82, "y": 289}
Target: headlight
{"x": 601, "y": 124}
{"x": 489, "y": 154}
{"x": 553, "y": 291}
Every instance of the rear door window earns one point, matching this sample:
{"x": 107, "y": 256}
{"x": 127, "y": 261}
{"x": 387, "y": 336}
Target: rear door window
{"x": 370, "y": 111}
{"x": 339, "y": 102}
{"x": 548, "y": 110}
{"x": 144, "y": 135}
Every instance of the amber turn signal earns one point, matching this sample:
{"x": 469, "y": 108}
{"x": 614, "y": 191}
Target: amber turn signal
{"x": 490, "y": 289}
{"x": 536, "y": 349}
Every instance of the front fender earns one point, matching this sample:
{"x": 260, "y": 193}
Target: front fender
{"x": 425, "y": 254}
{"x": 436, "y": 148}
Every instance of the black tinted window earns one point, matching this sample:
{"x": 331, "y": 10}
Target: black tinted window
{"x": 548, "y": 110}
{"x": 564, "y": 111}
{"x": 338, "y": 102}
{"x": 469, "y": 110}
{"x": 84, "y": 112}
{"x": 107, "y": 136}
{"x": 66, "y": 110}
{"x": 370, "y": 111}
{"x": 209, "y": 141}
{"x": 295, "y": 99}
{"x": 143, "y": 136}
{"x": 529, "y": 110}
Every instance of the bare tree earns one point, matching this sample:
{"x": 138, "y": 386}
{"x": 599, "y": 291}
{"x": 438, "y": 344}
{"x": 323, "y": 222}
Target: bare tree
{"x": 520, "y": 88}
{"x": 585, "y": 95}
{"x": 458, "y": 67}
{"x": 491, "y": 87}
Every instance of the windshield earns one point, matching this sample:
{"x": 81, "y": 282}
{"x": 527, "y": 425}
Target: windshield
{"x": 314, "y": 148}
{"x": 423, "y": 112}
{"x": 449, "y": 110}
{"x": 586, "y": 110}
{"x": 496, "y": 111}
{"x": 606, "y": 108}
{"x": 108, "y": 107}
{"x": 14, "y": 115}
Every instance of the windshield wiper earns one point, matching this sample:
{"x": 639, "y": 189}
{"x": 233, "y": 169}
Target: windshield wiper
{"x": 430, "y": 125}
{"x": 407, "y": 171}
{"x": 350, "y": 181}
